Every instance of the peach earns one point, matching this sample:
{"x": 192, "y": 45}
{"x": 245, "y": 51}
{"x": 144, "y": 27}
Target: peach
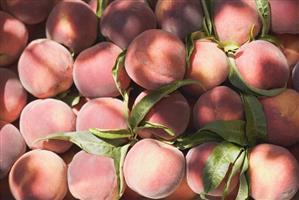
{"x": 262, "y": 65}
{"x": 93, "y": 71}
{"x": 12, "y": 147}
{"x": 284, "y": 22}
{"x": 196, "y": 159}
{"x": 155, "y": 58}
{"x": 265, "y": 160}
{"x": 219, "y": 103}
{"x": 97, "y": 180}
{"x": 173, "y": 111}
{"x": 45, "y": 68}
{"x": 39, "y": 175}
{"x": 122, "y": 21}
{"x": 76, "y": 32}
{"x": 29, "y": 11}
{"x": 235, "y": 29}
{"x": 282, "y": 116}
{"x": 154, "y": 169}
{"x": 43, "y": 117}
{"x": 103, "y": 113}
{"x": 295, "y": 77}
{"x": 208, "y": 65}
{"x": 179, "y": 17}
{"x": 13, "y": 38}
{"x": 13, "y": 96}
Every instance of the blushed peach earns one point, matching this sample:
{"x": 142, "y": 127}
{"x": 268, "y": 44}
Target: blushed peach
{"x": 43, "y": 117}
{"x": 155, "y": 58}
{"x": 154, "y": 169}
{"x": 39, "y": 175}
{"x": 45, "y": 68}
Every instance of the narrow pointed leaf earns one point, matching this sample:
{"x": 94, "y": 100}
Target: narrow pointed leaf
{"x": 140, "y": 110}
{"x": 111, "y": 134}
{"x": 153, "y": 125}
{"x": 207, "y": 20}
{"x": 217, "y": 165}
{"x": 119, "y": 64}
{"x": 264, "y": 10}
{"x": 102, "y": 4}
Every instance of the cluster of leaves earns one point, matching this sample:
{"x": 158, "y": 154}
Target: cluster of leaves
{"x": 229, "y": 157}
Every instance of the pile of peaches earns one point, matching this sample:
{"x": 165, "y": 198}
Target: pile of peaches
{"x": 149, "y": 99}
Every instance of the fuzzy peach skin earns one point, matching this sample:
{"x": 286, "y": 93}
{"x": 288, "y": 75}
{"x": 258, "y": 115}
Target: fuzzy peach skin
{"x": 284, "y": 16}
{"x": 43, "y": 117}
{"x": 102, "y": 113}
{"x": 75, "y": 31}
{"x": 38, "y": 175}
{"x": 92, "y": 177}
{"x": 45, "y": 68}
{"x": 173, "y": 111}
{"x": 155, "y": 58}
{"x": 282, "y": 116}
{"x": 262, "y": 65}
{"x": 219, "y": 103}
{"x": 295, "y": 77}
{"x": 154, "y": 169}
{"x": 196, "y": 159}
{"x": 29, "y": 11}
{"x": 290, "y": 47}
{"x": 179, "y": 17}
{"x": 13, "y": 38}
{"x": 12, "y": 146}
{"x": 208, "y": 65}
{"x": 265, "y": 161}
{"x": 122, "y": 21}
{"x": 13, "y": 96}
{"x": 93, "y": 71}
{"x": 232, "y": 28}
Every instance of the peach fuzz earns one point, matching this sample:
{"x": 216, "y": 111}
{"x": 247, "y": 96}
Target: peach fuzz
{"x": 265, "y": 160}
{"x": 262, "y": 65}
{"x": 102, "y": 113}
{"x": 93, "y": 71}
{"x": 39, "y": 175}
{"x": 196, "y": 159}
{"x": 282, "y": 21}
{"x": 13, "y": 96}
{"x": 43, "y": 117}
{"x": 29, "y": 11}
{"x": 77, "y": 32}
{"x": 122, "y": 21}
{"x": 282, "y": 117}
{"x": 45, "y": 74}
{"x": 179, "y": 17}
{"x": 154, "y": 169}
{"x": 13, "y": 38}
{"x": 220, "y": 103}
{"x": 208, "y": 65}
{"x": 155, "y": 58}
{"x": 173, "y": 111}
{"x": 97, "y": 180}
{"x": 232, "y": 28}
{"x": 12, "y": 147}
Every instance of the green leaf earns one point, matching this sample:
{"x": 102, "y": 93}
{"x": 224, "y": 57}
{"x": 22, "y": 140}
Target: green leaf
{"x": 71, "y": 97}
{"x": 243, "y": 192}
{"x": 190, "y": 44}
{"x": 119, "y": 64}
{"x": 85, "y": 140}
{"x": 140, "y": 110}
{"x": 256, "y": 124}
{"x": 264, "y": 11}
{"x": 217, "y": 165}
{"x": 207, "y": 20}
{"x": 195, "y": 139}
{"x": 231, "y": 131}
{"x": 102, "y": 4}
{"x": 236, "y": 79}
{"x": 119, "y": 157}
{"x": 153, "y": 125}
{"x": 111, "y": 133}
{"x": 235, "y": 169}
